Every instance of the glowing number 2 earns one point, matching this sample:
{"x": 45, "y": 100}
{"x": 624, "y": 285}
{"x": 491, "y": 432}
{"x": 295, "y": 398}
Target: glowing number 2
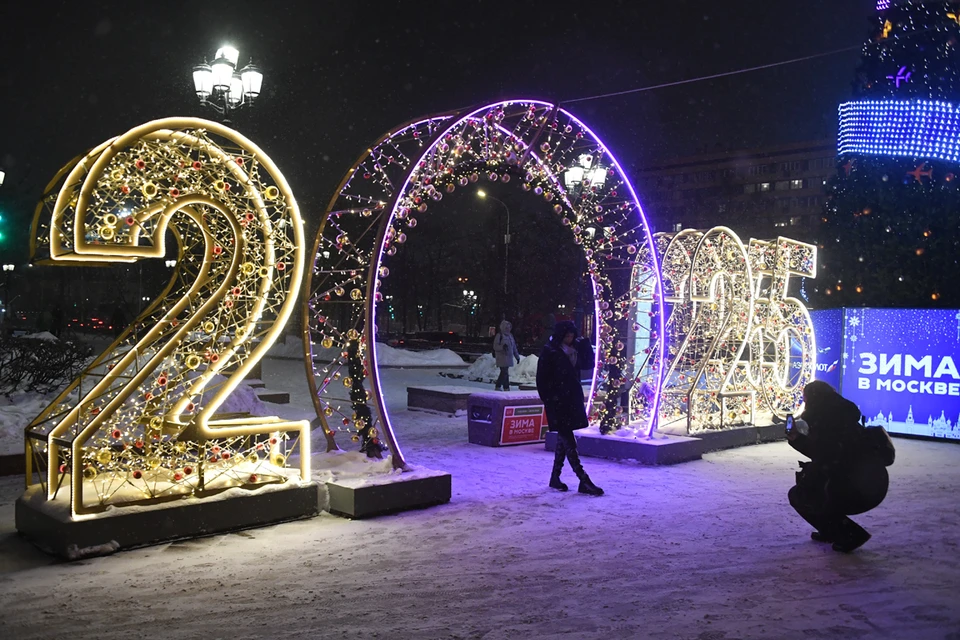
{"x": 140, "y": 423}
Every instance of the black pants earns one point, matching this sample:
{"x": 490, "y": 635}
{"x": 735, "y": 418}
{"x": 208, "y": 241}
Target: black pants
{"x": 826, "y": 500}
{"x": 504, "y": 379}
{"x": 567, "y": 449}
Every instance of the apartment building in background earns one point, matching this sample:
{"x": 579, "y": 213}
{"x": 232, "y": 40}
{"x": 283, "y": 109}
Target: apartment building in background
{"x": 758, "y": 193}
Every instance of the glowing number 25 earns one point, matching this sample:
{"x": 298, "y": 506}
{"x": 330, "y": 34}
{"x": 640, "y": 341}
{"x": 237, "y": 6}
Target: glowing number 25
{"x": 139, "y": 424}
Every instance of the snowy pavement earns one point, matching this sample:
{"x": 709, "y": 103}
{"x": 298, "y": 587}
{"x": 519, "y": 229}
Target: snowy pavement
{"x": 709, "y": 550}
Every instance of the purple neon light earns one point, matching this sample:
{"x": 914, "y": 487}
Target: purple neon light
{"x": 656, "y": 268}
{"x": 374, "y": 373}
{"x": 913, "y": 128}
{"x": 883, "y": 5}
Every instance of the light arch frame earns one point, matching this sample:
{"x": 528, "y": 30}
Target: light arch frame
{"x": 546, "y": 120}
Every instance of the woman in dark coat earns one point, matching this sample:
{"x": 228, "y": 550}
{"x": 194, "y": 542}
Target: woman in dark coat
{"x": 558, "y": 383}
{"x": 844, "y": 476}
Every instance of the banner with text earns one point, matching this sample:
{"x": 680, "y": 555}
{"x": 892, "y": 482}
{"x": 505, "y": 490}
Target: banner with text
{"x": 524, "y": 424}
{"x": 901, "y": 367}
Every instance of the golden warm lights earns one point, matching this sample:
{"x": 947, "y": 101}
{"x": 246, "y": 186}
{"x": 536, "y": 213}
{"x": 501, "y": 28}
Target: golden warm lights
{"x": 140, "y": 424}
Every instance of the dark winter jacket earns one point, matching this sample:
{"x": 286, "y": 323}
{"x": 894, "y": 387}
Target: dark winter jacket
{"x": 836, "y": 446}
{"x": 558, "y": 383}
{"x": 835, "y": 430}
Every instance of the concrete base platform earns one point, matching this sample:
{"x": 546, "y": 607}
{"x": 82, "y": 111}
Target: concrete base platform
{"x": 741, "y": 437}
{"x": 276, "y": 397}
{"x": 49, "y": 525}
{"x": 366, "y": 498}
{"x": 661, "y": 449}
{"x": 448, "y": 400}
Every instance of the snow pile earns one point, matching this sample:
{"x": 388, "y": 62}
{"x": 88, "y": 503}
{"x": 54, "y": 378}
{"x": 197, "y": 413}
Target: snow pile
{"x": 485, "y": 369}
{"x": 243, "y": 399}
{"x": 19, "y": 409}
{"x": 16, "y": 412}
{"x": 43, "y": 335}
{"x": 293, "y": 348}
{"x": 388, "y": 356}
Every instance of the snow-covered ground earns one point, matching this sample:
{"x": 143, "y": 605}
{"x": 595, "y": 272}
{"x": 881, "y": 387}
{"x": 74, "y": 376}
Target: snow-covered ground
{"x": 709, "y": 549}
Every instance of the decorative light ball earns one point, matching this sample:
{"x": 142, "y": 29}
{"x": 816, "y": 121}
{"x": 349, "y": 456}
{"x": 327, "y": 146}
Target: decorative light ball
{"x": 525, "y": 186}
{"x": 464, "y": 181}
{"x": 278, "y": 459}
{"x": 89, "y": 473}
{"x": 505, "y": 177}
{"x": 328, "y": 411}
{"x": 402, "y": 214}
{"x": 631, "y": 249}
{"x": 339, "y": 291}
{"x": 474, "y": 177}
{"x": 153, "y": 462}
{"x": 450, "y": 188}
{"x": 384, "y": 271}
{"x": 538, "y": 190}
{"x": 949, "y": 177}
{"x": 558, "y": 208}
{"x": 356, "y": 294}
{"x": 545, "y": 147}
{"x": 412, "y": 222}
{"x": 885, "y": 178}
{"x": 353, "y": 334}
{"x": 492, "y": 176}
{"x": 150, "y": 190}
{"x": 104, "y": 456}
{"x": 392, "y": 251}
{"x": 422, "y": 208}
{"x": 271, "y": 193}
{"x": 327, "y": 342}
{"x": 348, "y": 382}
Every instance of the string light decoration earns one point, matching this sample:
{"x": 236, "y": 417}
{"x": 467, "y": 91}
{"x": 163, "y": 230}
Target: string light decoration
{"x": 140, "y": 424}
{"x": 909, "y": 128}
{"x": 732, "y": 328}
{"x": 899, "y": 145}
{"x": 396, "y": 181}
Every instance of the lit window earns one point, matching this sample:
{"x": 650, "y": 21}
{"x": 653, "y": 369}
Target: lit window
{"x": 796, "y": 184}
{"x": 796, "y": 221}
{"x": 780, "y": 224}
{"x": 764, "y": 186}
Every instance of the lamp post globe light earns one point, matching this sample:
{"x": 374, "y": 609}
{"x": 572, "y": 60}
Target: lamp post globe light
{"x": 2, "y": 176}
{"x": 222, "y": 87}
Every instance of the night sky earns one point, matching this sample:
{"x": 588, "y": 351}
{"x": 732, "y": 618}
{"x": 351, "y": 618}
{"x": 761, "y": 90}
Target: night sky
{"x": 339, "y": 74}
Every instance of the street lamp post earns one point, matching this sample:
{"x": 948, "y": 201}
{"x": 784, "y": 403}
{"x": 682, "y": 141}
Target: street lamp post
{"x": 224, "y": 89}
{"x": 585, "y": 173}
{"x": 506, "y": 238}
{"x": 7, "y": 272}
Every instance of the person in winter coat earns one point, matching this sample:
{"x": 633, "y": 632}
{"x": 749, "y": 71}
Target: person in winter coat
{"x": 505, "y": 349}
{"x": 558, "y": 384}
{"x": 844, "y": 477}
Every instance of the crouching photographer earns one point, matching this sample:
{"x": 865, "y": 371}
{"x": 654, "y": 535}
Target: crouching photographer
{"x": 847, "y": 472}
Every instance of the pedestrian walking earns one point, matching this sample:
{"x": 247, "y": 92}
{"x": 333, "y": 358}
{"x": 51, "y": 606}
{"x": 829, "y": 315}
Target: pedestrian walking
{"x": 505, "y": 350}
{"x": 558, "y": 383}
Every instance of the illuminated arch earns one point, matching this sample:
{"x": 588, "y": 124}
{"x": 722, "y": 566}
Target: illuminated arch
{"x": 391, "y": 183}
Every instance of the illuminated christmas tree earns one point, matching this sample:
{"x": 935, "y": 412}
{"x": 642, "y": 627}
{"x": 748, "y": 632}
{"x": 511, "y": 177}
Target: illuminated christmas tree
{"x": 889, "y": 233}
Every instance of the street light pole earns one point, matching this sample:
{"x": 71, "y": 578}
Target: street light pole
{"x": 224, "y": 89}
{"x": 506, "y": 238}
{"x": 584, "y": 174}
